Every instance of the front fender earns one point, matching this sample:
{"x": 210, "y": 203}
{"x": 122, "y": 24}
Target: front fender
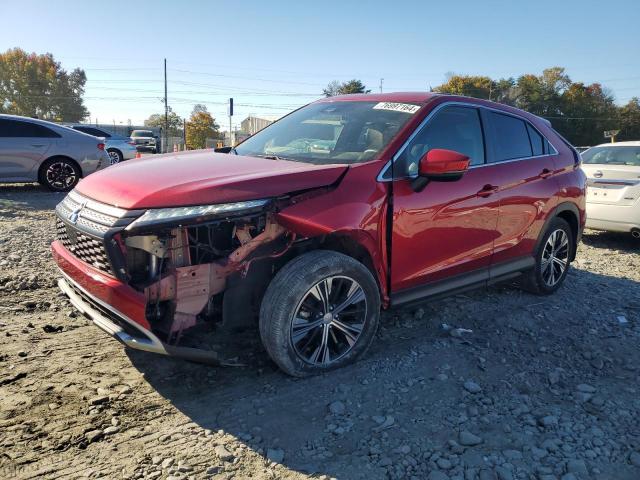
{"x": 355, "y": 209}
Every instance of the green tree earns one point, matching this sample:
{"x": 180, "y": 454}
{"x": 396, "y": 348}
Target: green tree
{"x": 470, "y": 86}
{"x": 629, "y": 120}
{"x": 174, "y": 120}
{"x": 201, "y": 125}
{"x": 586, "y": 112}
{"x": 35, "y": 85}
{"x": 346, "y": 88}
{"x": 580, "y": 112}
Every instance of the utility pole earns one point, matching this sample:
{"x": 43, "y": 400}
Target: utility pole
{"x": 166, "y": 108}
{"x": 230, "y": 128}
{"x": 381, "y": 80}
{"x": 184, "y": 132}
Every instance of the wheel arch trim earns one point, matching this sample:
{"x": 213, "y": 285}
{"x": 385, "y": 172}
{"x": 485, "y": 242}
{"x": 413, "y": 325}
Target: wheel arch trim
{"x": 66, "y": 157}
{"x": 561, "y": 211}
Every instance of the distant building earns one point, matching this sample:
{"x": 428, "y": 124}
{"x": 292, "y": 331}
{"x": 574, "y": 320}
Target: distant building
{"x": 253, "y": 123}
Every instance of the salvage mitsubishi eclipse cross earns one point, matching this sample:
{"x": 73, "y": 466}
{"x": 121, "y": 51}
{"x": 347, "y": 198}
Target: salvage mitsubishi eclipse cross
{"x": 309, "y": 228}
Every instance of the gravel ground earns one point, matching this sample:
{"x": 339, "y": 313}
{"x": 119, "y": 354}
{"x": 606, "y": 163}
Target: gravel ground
{"x": 538, "y": 388}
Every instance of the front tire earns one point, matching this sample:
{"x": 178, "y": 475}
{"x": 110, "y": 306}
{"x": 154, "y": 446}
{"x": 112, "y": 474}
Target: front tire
{"x": 552, "y": 258}
{"x": 59, "y": 174}
{"x": 320, "y": 312}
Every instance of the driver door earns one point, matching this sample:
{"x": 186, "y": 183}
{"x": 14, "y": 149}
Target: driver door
{"x": 447, "y": 230}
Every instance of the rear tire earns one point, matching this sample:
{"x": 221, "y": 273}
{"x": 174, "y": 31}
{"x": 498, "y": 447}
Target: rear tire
{"x": 552, "y": 259}
{"x": 59, "y": 174}
{"x": 115, "y": 156}
{"x": 320, "y": 312}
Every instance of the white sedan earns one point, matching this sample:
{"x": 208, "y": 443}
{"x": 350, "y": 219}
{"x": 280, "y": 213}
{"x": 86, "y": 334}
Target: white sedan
{"x": 613, "y": 193}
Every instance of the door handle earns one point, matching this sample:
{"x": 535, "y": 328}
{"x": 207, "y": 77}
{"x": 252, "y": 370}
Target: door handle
{"x": 487, "y": 190}
{"x": 545, "y": 173}
{"x": 37, "y": 145}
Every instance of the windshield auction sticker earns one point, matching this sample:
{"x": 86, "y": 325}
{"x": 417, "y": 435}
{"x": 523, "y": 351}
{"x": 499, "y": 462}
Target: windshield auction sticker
{"x": 397, "y": 107}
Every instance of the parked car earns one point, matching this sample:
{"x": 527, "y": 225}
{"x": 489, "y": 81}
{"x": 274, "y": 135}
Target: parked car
{"x": 613, "y": 196}
{"x": 118, "y": 147}
{"x": 145, "y": 141}
{"x": 33, "y": 150}
{"x": 412, "y": 196}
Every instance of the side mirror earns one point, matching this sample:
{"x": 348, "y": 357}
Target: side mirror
{"x": 440, "y": 165}
{"x": 223, "y": 149}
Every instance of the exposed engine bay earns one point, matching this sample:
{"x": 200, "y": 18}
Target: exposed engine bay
{"x": 183, "y": 271}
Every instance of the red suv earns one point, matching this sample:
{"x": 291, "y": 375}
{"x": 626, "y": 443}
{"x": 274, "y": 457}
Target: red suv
{"x": 311, "y": 226}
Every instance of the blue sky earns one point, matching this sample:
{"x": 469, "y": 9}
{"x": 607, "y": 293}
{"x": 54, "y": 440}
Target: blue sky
{"x": 272, "y": 56}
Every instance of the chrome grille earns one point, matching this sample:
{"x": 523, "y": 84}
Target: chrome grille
{"x": 83, "y": 225}
{"x": 88, "y": 249}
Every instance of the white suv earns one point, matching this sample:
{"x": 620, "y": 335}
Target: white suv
{"x": 613, "y": 193}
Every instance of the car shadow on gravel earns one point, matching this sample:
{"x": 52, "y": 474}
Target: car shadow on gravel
{"x": 266, "y": 410}
{"x": 15, "y": 198}
{"x": 611, "y": 241}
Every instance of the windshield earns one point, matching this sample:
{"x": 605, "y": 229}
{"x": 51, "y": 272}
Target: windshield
{"x": 142, "y": 133}
{"x": 336, "y": 132}
{"x": 612, "y": 155}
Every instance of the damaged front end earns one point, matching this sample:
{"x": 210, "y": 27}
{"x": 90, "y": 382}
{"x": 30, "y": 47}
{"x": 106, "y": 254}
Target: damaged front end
{"x": 189, "y": 266}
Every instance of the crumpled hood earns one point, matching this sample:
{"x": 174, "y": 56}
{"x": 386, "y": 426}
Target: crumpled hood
{"x": 202, "y": 177}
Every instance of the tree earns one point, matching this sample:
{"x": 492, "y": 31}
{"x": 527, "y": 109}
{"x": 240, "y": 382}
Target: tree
{"x": 201, "y": 126}
{"x": 35, "y": 85}
{"x": 175, "y": 122}
{"x": 346, "y": 88}
{"x": 470, "y": 86}
{"x": 579, "y": 112}
{"x": 630, "y": 120}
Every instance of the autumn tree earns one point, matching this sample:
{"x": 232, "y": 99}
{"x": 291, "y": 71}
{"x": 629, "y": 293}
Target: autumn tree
{"x": 629, "y": 120}
{"x": 470, "y": 86}
{"x": 35, "y": 85}
{"x": 201, "y": 125}
{"x": 579, "y": 112}
{"x": 174, "y": 120}
{"x": 345, "y": 88}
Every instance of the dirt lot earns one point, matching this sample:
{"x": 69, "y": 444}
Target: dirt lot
{"x": 541, "y": 388}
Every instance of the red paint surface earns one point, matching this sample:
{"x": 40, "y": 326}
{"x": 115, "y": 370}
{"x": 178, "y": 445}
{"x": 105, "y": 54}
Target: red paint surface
{"x": 108, "y": 289}
{"x": 201, "y": 177}
{"x": 439, "y": 161}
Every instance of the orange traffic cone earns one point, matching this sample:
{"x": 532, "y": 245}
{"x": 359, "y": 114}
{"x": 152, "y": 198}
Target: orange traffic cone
{"x": 138, "y": 155}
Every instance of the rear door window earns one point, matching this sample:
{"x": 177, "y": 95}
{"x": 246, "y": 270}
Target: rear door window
{"x": 509, "y": 137}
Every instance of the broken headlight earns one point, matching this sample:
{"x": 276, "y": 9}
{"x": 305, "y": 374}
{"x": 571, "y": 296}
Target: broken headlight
{"x": 195, "y": 214}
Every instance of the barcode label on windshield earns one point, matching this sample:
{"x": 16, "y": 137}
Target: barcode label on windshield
{"x": 397, "y": 107}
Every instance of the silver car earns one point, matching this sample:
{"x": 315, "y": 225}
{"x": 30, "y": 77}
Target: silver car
{"x": 37, "y": 151}
{"x": 119, "y": 147}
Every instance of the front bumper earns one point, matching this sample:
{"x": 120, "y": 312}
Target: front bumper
{"x": 114, "y": 323}
{"x": 115, "y": 307}
{"x": 146, "y": 148}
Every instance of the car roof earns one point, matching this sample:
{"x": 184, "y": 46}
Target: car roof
{"x": 634, "y": 143}
{"x": 29, "y": 119}
{"x": 425, "y": 97}
{"x": 410, "y": 97}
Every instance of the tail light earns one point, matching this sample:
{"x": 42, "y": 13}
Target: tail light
{"x": 101, "y": 146}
